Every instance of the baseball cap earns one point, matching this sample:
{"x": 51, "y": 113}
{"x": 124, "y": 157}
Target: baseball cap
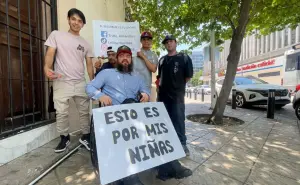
{"x": 168, "y": 37}
{"x": 146, "y": 34}
{"x": 109, "y": 49}
{"x": 124, "y": 49}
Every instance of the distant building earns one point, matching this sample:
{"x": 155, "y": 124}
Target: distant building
{"x": 198, "y": 59}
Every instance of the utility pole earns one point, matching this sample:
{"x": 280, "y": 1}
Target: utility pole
{"x": 213, "y": 71}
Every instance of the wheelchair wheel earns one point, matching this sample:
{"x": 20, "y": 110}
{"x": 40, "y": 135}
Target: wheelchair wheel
{"x": 93, "y": 150}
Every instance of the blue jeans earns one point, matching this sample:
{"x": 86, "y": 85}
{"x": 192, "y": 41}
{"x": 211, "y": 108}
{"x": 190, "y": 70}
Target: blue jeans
{"x": 176, "y": 112}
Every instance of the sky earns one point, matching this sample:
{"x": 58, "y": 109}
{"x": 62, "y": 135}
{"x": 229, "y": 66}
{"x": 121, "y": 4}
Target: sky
{"x": 181, "y": 47}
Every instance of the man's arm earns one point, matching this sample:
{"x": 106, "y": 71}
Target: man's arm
{"x": 89, "y": 67}
{"x": 49, "y": 57}
{"x": 188, "y": 69}
{"x": 144, "y": 91}
{"x": 152, "y": 67}
{"x": 93, "y": 87}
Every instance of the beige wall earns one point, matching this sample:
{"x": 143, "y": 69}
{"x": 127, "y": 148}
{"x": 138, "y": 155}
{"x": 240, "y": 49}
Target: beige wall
{"x": 107, "y": 10}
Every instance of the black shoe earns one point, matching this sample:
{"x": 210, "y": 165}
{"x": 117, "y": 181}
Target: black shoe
{"x": 183, "y": 172}
{"x": 64, "y": 142}
{"x": 85, "y": 141}
{"x": 186, "y": 150}
{"x": 171, "y": 170}
{"x": 132, "y": 180}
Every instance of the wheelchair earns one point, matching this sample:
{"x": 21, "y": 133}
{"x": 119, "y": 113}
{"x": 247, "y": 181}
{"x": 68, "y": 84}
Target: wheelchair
{"x": 93, "y": 148}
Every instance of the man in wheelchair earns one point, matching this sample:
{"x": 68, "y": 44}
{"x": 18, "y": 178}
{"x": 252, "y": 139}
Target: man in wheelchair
{"x": 120, "y": 86}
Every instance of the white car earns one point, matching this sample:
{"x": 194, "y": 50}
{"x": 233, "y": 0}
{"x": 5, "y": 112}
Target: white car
{"x": 253, "y": 91}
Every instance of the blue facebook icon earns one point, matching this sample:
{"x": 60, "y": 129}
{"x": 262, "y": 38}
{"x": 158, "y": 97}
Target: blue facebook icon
{"x": 103, "y": 33}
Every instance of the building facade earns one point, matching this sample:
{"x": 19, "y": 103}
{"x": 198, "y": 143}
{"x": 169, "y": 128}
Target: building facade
{"x": 27, "y": 117}
{"x": 262, "y": 56}
{"x": 197, "y": 59}
{"x": 207, "y": 63}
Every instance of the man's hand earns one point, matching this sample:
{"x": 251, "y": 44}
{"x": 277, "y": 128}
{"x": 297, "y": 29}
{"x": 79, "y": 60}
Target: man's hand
{"x": 98, "y": 64}
{"x": 51, "y": 74}
{"x": 145, "y": 97}
{"x": 106, "y": 100}
{"x": 141, "y": 55}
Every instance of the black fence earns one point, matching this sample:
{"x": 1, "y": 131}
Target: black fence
{"x": 24, "y": 91}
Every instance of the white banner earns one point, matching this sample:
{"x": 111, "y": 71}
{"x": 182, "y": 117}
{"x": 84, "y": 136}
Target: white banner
{"x": 116, "y": 34}
{"x": 131, "y": 138}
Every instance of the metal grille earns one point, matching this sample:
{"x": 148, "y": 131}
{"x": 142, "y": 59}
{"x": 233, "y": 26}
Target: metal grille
{"x": 24, "y": 100}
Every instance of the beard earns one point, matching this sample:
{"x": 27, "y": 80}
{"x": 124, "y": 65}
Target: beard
{"x": 125, "y": 69}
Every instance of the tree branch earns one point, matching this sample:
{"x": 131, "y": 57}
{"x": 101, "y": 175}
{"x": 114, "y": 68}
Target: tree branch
{"x": 230, "y": 22}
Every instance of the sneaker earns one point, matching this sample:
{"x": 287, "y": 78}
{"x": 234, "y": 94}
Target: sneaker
{"x": 62, "y": 145}
{"x": 186, "y": 150}
{"x": 85, "y": 141}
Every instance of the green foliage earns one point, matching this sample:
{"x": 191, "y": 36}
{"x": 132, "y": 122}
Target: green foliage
{"x": 191, "y": 20}
{"x": 195, "y": 81}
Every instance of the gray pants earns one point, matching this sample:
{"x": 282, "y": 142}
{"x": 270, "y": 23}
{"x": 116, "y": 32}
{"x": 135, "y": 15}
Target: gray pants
{"x": 62, "y": 93}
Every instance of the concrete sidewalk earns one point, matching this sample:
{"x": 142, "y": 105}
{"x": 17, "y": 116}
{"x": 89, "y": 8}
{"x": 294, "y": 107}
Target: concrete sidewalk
{"x": 259, "y": 152}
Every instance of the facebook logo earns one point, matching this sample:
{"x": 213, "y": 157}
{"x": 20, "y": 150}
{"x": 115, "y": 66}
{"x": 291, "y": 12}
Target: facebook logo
{"x": 103, "y": 33}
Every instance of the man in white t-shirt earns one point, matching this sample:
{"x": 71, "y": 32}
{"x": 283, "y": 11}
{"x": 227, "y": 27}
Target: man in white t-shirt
{"x": 70, "y": 50}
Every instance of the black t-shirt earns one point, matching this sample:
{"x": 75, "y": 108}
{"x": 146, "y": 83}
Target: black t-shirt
{"x": 173, "y": 71}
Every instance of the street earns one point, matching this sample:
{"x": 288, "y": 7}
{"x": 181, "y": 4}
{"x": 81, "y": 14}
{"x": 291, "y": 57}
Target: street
{"x": 286, "y": 111}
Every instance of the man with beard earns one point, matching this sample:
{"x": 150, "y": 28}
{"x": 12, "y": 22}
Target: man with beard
{"x": 118, "y": 85}
{"x": 111, "y": 56}
{"x": 69, "y": 50}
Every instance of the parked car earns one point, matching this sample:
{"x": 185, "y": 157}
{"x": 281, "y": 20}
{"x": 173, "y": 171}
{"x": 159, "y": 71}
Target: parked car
{"x": 206, "y": 88}
{"x": 254, "y": 91}
{"x": 190, "y": 89}
{"x": 296, "y": 103}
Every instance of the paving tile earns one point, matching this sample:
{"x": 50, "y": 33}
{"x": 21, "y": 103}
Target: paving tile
{"x": 149, "y": 178}
{"x": 199, "y": 154}
{"x": 236, "y": 128}
{"x": 191, "y": 138}
{"x": 251, "y": 143}
{"x": 281, "y": 167}
{"x": 282, "y": 153}
{"x": 219, "y": 134}
{"x": 81, "y": 177}
{"x": 273, "y": 137}
{"x": 49, "y": 179}
{"x": 209, "y": 144}
{"x": 233, "y": 162}
{"x": 261, "y": 177}
{"x": 206, "y": 176}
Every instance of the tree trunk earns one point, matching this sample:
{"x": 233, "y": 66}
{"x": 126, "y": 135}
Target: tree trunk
{"x": 233, "y": 60}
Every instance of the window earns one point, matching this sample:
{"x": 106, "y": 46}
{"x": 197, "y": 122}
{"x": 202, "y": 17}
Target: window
{"x": 24, "y": 26}
{"x": 248, "y": 80}
{"x": 276, "y": 73}
{"x": 292, "y": 62}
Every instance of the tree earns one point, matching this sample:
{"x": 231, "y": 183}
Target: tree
{"x": 192, "y": 20}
